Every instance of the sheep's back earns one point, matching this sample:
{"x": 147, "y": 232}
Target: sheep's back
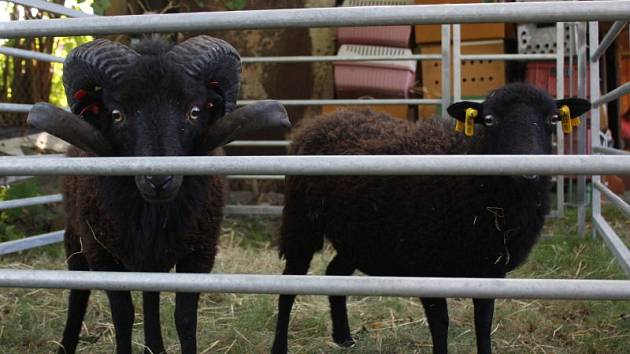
{"x": 398, "y": 225}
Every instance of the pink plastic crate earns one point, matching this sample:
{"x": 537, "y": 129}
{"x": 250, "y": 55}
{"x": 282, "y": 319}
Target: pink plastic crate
{"x": 543, "y": 74}
{"x": 393, "y": 36}
{"x": 377, "y": 79}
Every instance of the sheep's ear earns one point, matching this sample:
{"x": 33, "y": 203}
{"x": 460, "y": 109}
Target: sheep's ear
{"x": 577, "y": 106}
{"x": 69, "y": 127}
{"x": 466, "y": 113}
{"x": 458, "y": 110}
{"x": 261, "y": 115}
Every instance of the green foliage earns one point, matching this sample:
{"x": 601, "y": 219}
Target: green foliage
{"x": 19, "y": 222}
{"x": 100, "y": 6}
{"x": 235, "y": 4}
{"x": 64, "y": 45}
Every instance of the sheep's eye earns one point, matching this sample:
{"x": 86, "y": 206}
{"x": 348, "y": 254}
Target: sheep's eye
{"x": 488, "y": 120}
{"x": 194, "y": 113}
{"x": 555, "y": 118}
{"x": 117, "y": 116}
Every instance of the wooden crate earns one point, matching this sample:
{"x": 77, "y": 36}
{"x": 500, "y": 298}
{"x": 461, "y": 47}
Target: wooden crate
{"x": 469, "y": 32}
{"x": 479, "y": 77}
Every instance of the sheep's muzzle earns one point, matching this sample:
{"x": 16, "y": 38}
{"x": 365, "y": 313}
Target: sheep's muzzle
{"x": 158, "y": 189}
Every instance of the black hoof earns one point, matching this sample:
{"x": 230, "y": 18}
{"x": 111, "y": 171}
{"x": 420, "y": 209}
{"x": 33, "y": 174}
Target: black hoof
{"x": 345, "y": 343}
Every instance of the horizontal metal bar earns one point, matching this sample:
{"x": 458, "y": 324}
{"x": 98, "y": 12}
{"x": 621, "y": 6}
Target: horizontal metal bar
{"x": 613, "y": 198}
{"x": 25, "y": 108}
{"x": 25, "y": 202}
{"x": 322, "y": 17}
{"x": 508, "y": 56}
{"x": 57, "y": 198}
{"x": 614, "y": 243}
{"x": 610, "y": 151}
{"x": 57, "y": 236}
{"x": 269, "y": 177}
{"x": 334, "y": 58}
{"x": 613, "y": 32}
{"x": 31, "y": 242}
{"x": 29, "y": 54}
{"x": 346, "y": 102}
{"x": 322, "y": 165}
{"x": 15, "y": 107}
{"x": 51, "y": 7}
{"x": 265, "y": 143}
{"x": 612, "y": 95}
{"x": 320, "y": 285}
{"x": 253, "y": 210}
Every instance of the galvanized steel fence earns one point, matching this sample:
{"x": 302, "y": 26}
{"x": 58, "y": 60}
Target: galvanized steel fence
{"x": 580, "y": 165}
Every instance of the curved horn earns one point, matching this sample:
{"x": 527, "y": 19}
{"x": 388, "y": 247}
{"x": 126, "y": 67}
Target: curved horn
{"x": 211, "y": 59}
{"x": 266, "y": 114}
{"x": 97, "y": 63}
{"x": 69, "y": 127}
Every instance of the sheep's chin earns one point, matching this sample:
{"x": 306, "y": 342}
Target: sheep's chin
{"x": 526, "y": 178}
{"x": 158, "y": 200}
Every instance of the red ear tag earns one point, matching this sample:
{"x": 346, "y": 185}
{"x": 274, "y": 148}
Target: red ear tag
{"x": 94, "y": 108}
{"x": 79, "y": 95}
{"x": 209, "y": 105}
{"x": 213, "y": 84}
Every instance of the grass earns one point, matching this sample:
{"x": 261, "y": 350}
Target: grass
{"x": 31, "y": 321}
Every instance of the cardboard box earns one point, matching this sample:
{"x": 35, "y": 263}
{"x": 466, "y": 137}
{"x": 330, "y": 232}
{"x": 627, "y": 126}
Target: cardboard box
{"x": 479, "y": 77}
{"x": 397, "y": 111}
{"x": 469, "y": 32}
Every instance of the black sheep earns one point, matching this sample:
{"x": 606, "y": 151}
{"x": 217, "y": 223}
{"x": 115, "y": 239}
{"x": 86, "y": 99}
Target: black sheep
{"x": 444, "y": 226}
{"x": 156, "y": 99}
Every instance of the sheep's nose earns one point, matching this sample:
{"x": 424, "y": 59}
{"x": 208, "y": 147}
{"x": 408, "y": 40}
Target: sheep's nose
{"x": 159, "y": 182}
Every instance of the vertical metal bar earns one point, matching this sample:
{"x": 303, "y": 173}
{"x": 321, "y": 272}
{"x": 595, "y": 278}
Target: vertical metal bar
{"x": 446, "y": 68}
{"x": 581, "y": 131}
{"x": 593, "y": 28}
{"x": 457, "y": 63}
{"x": 609, "y": 38}
{"x": 572, "y": 46}
{"x": 560, "y": 95}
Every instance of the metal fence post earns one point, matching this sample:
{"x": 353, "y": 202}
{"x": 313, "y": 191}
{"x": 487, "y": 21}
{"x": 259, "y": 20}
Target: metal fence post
{"x": 593, "y": 28}
{"x": 559, "y": 132}
{"x": 457, "y": 63}
{"x": 446, "y": 68}
{"x": 581, "y": 79}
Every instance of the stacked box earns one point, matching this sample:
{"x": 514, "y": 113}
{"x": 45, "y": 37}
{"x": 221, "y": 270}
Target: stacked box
{"x": 469, "y": 32}
{"x": 377, "y": 79}
{"x": 393, "y": 36}
{"x": 544, "y": 75}
{"x": 479, "y": 77}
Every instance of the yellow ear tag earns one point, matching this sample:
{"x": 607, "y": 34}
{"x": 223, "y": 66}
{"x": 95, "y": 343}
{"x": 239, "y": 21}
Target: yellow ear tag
{"x": 469, "y": 125}
{"x": 459, "y": 126}
{"x": 575, "y": 121}
{"x": 567, "y": 122}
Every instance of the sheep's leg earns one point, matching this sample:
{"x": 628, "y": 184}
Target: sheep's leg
{"x": 186, "y": 305}
{"x": 186, "y": 320}
{"x": 123, "y": 316}
{"x": 437, "y": 316}
{"x": 484, "y": 311}
{"x": 77, "y": 304}
{"x": 338, "y": 310}
{"x": 285, "y": 303}
{"x": 152, "y": 331}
